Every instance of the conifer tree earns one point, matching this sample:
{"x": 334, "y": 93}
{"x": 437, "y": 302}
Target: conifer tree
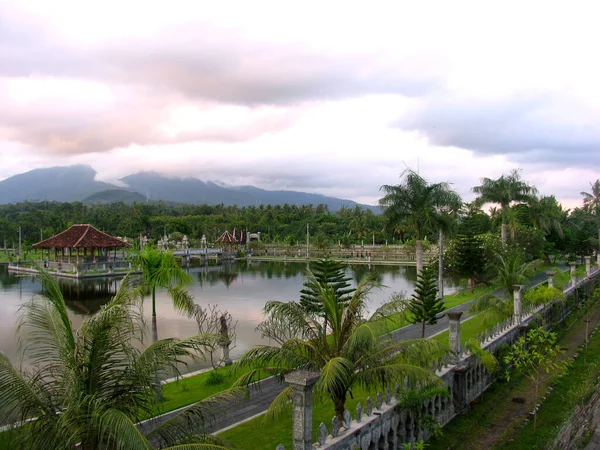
{"x": 327, "y": 273}
{"x": 425, "y": 304}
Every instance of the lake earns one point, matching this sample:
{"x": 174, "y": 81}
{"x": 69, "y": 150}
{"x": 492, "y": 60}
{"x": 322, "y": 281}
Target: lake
{"x": 242, "y": 288}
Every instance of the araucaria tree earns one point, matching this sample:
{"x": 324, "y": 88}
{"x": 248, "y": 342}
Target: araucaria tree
{"x": 162, "y": 270}
{"x": 325, "y": 272}
{"x": 348, "y": 352}
{"x": 87, "y": 388}
{"x": 418, "y": 205}
{"x": 504, "y": 191}
{"x": 425, "y": 304}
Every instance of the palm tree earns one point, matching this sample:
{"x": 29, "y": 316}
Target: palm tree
{"x": 510, "y": 270}
{"x": 348, "y": 353}
{"x": 505, "y": 190}
{"x": 447, "y": 215}
{"x": 88, "y": 388}
{"x": 162, "y": 270}
{"x": 591, "y": 203}
{"x": 416, "y": 203}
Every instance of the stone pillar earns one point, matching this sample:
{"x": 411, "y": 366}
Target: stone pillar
{"x": 550, "y": 274}
{"x": 302, "y": 383}
{"x": 588, "y": 266}
{"x": 225, "y": 340}
{"x": 573, "y": 277}
{"x": 598, "y": 258}
{"x": 454, "y": 327}
{"x": 518, "y": 302}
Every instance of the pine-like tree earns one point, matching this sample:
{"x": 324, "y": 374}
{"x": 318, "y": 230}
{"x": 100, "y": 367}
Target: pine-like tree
{"x": 425, "y": 304}
{"x": 470, "y": 254}
{"x": 326, "y": 273}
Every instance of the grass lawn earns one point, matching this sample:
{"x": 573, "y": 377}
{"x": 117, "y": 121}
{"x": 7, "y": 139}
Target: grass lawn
{"x": 251, "y": 434}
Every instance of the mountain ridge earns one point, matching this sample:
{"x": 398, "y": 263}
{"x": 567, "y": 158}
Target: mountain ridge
{"x": 78, "y": 183}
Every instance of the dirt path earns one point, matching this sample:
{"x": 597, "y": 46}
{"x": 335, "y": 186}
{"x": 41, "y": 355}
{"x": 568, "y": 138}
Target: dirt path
{"x": 491, "y": 424}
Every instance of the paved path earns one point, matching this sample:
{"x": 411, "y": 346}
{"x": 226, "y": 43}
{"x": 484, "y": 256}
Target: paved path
{"x": 262, "y": 395}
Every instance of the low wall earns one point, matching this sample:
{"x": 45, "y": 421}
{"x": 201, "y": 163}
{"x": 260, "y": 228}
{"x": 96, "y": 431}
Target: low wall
{"x": 384, "y": 425}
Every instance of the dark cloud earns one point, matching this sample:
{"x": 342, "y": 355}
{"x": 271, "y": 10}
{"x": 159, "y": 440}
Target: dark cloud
{"x": 528, "y": 128}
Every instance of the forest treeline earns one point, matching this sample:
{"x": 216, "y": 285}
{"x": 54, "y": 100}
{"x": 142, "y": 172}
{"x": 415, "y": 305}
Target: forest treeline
{"x": 287, "y": 224}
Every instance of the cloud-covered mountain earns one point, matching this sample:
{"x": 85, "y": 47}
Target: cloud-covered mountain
{"x": 78, "y": 183}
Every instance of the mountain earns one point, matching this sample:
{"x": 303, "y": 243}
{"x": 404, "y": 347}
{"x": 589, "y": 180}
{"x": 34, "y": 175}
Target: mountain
{"x": 77, "y": 183}
{"x": 115, "y": 196}
{"x": 61, "y": 184}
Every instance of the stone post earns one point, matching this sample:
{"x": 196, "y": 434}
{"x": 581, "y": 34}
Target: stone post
{"x": 454, "y": 327}
{"x": 302, "y": 383}
{"x": 573, "y": 277}
{"x": 550, "y": 274}
{"x": 588, "y": 266}
{"x": 518, "y": 302}
{"x": 598, "y": 258}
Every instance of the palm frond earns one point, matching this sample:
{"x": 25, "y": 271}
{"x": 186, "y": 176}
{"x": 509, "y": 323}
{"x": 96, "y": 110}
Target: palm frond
{"x": 280, "y": 406}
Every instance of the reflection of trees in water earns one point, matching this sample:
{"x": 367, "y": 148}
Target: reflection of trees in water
{"x": 7, "y": 279}
{"x": 85, "y": 297}
{"x": 360, "y": 271}
{"x": 211, "y": 275}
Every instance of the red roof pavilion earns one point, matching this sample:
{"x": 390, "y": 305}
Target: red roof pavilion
{"x": 81, "y": 236}
{"x": 227, "y": 238}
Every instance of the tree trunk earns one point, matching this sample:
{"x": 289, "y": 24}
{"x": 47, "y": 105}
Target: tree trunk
{"x": 422, "y": 329}
{"x": 441, "y": 266}
{"x": 154, "y": 329}
{"x": 504, "y": 233}
{"x": 419, "y": 256}
{"x": 339, "y": 402}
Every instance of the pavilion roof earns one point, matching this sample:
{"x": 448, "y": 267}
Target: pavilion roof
{"x": 227, "y": 238}
{"x": 81, "y": 236}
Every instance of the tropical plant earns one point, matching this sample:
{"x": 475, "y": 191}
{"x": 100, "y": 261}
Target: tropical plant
{"x": 591, "y": 203}
{"x": 504, "y": 191}
{"x": 162, "y": 270}
{"x": 425, "y": 304}
{"x": 510, "y": 271}
{"x": 533, "y": 355}
{"x": 88, "y": 388}
{"x": 417, "y": 204}
{"x": 348, "y": 353}
{"x": 467, "y": 254}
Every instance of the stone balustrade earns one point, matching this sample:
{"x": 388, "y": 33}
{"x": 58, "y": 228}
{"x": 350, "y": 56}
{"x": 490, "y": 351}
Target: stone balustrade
{"x": 383, "y": 424}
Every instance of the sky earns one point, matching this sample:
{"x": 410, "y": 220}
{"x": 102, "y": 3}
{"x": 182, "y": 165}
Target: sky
{"x": 336, "y": 97}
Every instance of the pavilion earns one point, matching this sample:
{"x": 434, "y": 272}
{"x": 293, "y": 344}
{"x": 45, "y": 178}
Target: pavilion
{"x": 81, "y": 246}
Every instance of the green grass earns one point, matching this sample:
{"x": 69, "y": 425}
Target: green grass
{"x": 195, "y": 388}
{"x": 252, "y": 434}
{"x": 575, "y": 387}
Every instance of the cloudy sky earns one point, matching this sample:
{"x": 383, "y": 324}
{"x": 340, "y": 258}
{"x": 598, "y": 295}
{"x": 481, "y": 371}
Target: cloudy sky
{"x": 330, "y": 97}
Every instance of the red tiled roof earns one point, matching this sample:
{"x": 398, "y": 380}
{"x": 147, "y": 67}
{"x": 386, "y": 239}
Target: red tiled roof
{"x": 81, "y": 236}
{"x": 227, "y": 238}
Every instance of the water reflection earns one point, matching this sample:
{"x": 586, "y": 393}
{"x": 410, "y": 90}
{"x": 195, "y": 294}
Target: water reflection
{"x": 242, "y": 288}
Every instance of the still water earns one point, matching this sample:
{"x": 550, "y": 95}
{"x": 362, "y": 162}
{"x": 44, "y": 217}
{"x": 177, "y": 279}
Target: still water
{"x": 240, "y": 288}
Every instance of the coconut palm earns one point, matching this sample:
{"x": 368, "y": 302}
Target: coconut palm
{"x": 591, "y": 203}
{"x": 88, "y": 388}
{"x": 348, "y": 353}
{"x": 504, "y": 191}
{"x": 416, "y": 203}
{"x": 162, "y": 270}
{"x": 447, "y": 215}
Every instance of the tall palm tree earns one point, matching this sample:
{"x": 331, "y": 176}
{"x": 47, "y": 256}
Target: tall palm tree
{"x": 88, "y": 388}
{"x": 591, "y": 203}
{"x": 346, "y": 353}
{"x": 504, "y": 191}
{"x": 162, "y": 270}
{"x": 447, "y": 216}
{"x": 416, "y": 203}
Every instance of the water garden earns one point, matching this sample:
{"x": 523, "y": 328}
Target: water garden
{"x": 86, "y": 381}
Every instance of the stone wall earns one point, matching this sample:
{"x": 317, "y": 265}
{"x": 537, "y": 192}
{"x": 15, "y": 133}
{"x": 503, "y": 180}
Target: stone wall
{"x": 382, "y": 424}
